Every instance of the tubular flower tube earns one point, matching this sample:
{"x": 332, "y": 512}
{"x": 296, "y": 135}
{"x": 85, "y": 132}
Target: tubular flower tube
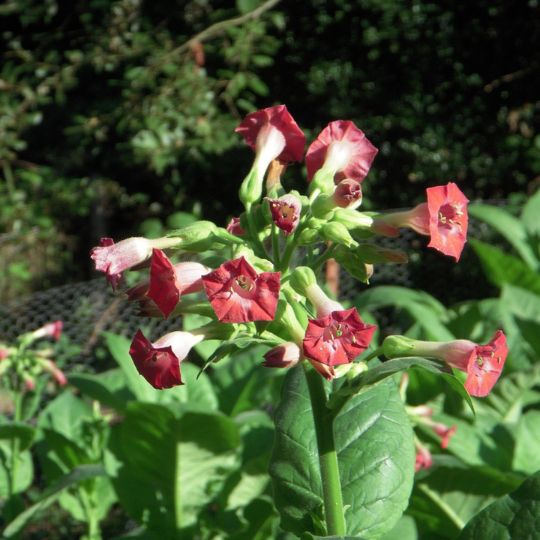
{"x": 423, "y": 460}
{"x": 52, "y": 329}
{"x": 113, "y": 259}
{"x": 444, "y": 432}
{"x": 483, "y": 364}
{"x": 286, "y": 212}
{"x": 337, "y": 338}
{"x": 273, "y": 134}
{"x": 443, "y": 217}
{"x": 57, "y": 374}
{"x": 159, "y": 362}
{"x": 348, "y": 194}
{"x": 285, "y": 355}
{"x": 342, "y": 151}
{"x": 238, "y": 294}
{"x": 324, "y": 305}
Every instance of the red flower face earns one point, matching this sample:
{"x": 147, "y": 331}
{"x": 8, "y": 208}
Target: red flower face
{"x": 286, "y": 212}
{"x": 238, "y": 294}
{"x": 279, "y": 118}
{"x": 448, "y": 219}
{"x": 337, "y": 338}
{"x": 159, "y": 362}
{"x": 350, "y": 152}
{"x": 485, "y": 364}
{"x": 113, "y": 259}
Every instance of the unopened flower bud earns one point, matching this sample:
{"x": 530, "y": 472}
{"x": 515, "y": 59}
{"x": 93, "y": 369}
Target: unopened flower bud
{"x": 338, "y": 233}
{"x": 234, "y": 227}
{"x": 285, "y": 355}
{"x": 396, "y": 346}
{"x": 348, "y": 194}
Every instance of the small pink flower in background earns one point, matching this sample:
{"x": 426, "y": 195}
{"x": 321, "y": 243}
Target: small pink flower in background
{"x": 337, "y": 338}
{"x": 274, "y": 129}
{"x": 169, "y": 282}
{"x": 448, "y": 219}
{"x": 4, "y": 353}
{"x": 235, "y": 228}
{"x": 29, "y": 383}
{"x": 348, "y": 194}
{"x": 423, "y": 458}
{"x": 282, "y": 356}
{"x": 159, "y": 362}
{"x": 444, "y": 432}
{"x": 286, "y": 212}
{"x": 58, "y": 375}
{"x": 113, "y": 259}
{"x": 344, "y": 149}
{"x": 52, "y": 329}
{"x": 238, "y": 294}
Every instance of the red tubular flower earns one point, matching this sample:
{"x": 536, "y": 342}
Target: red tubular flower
{"x": 113, "y": 259}
{"x": 348, "y": 194}
{"x": 52, "y": 329}
{"x": 159, "y": 362}
{"x": 271, "y": 125}
{"x": 448, "y": 219}
{"x": 235, "y": 228}
{"x": 423, "y": 458}
{"x": 282, "y": 356}
{"x": 444, "y": 432}
{"x": 58, "y": 375}
{"x": 286, "y": 212}
{"x": 337, "y": 338}
{"x": 342, "y": 148}
{"x": 169, "y": 282}
{"x": 238, "y": 294}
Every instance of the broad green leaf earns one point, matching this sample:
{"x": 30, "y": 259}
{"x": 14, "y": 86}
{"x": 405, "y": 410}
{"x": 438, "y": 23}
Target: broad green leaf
{"x": 501, "y": 268}
{"x": 527, "y": 451}
{"x": 422, "y": 307}
{"x": 25, "y": 470}
{"x": 509, "y": 227}
{"x": 530, "y": 213}
{"x": 83, "y": 472}
{"x": 404, "y": 530}
{"x": 169, "y": 468}
{"x": 448, "y": 497}
{"x": 65, "y": 415}
{"x": 93, "y": 387}
{"x": 20, "y": 431}
{"x": 376, "y": 478}
{"x": 515, "y": 516}
{"x": 476, "y": 320}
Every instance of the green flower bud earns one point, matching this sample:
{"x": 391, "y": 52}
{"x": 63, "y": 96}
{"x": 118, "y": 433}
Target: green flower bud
{"x": 198, "y": 236}
{"x": 308, "y": 236}
{"x": 301, "y": 279}
{"x": 352, "y": 219}
{"x": 323, "y": 207}
{"x": 338, "y": 233}
{"x": 395, "y": 346}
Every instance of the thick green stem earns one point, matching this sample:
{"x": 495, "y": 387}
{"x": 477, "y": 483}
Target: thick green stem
{"x": 324, "y": 427}
{"x": 252, "y": 230}
{"x": 15, "y": 444}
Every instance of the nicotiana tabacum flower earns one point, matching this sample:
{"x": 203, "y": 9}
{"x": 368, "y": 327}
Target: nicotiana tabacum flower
{"x": 337, "y": 338}
{"x": 340, "y": 151}
{"x": 234, "y": 227}
{"x": 483, "y": 364}
{"x": 114, "y": 258}
{"x": 348, "y": 194}
{"x": 286, "y": 212}
{"x": 239, "y": 294}
{"x": 443, "y": 217}
{"x": 159, "y": 362}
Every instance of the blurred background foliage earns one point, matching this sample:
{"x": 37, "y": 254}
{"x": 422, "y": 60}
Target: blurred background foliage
{"x": 117, "y": 117}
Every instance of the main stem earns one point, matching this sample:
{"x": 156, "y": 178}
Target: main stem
{"x": 324, "y": 428}
{"x": 15, "y": 444}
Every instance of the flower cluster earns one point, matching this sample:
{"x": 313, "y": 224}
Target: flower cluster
{"x": 262, "y": 267}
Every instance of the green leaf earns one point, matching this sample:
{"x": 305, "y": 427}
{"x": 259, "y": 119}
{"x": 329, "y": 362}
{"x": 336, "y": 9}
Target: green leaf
{"x": 513, "y": 517}
{"x": 94, "y": 387}
{"x": 376, "y": 478}
{"x": 24, "y": 433}
{"x": 168, "y": 467}
{"x": 526, "y": 452}
{"x": 422, "y": 307}
{"x": 404, "y": 530}
{"x": 530, "y": 214}
{"x": 83, "y": 472}
{"x": 501, "y": 268}
{"x": 509, "y": 227}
